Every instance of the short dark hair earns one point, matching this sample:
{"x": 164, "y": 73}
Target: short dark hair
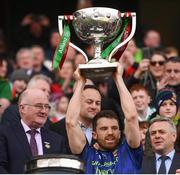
{"x": 138, "y": 87}
{"x": 161, "y": 53}
{"x": 173, "y": 59}
{"x": 104, "y": 114}
{"x": 91, "y": 86}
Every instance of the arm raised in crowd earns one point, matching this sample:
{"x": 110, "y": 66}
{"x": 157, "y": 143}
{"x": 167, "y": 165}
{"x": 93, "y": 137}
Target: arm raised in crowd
{"x": 129, "y": 109}
{"x": 76, "y": 137}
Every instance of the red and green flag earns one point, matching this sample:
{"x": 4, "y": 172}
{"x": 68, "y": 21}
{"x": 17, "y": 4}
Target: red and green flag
{"x": 61, "y": 50}
{"x": 125, "y": 32}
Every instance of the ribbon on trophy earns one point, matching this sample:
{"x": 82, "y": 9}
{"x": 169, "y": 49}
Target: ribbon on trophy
{"x": 126, "y": 30}
{"x": 61, "y": 50}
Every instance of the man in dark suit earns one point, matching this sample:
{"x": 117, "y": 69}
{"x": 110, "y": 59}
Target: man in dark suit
{"x": 28, "y": 138}
{"x": 165, "y": 160}
{"x": 91, "y": 104}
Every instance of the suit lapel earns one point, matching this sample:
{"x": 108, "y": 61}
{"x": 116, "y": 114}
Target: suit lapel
{"x": 22, "y": 138}
{"x": 153, "y": 165}
{"x": 46, "y": 141}
{"x": 174, "y": 165}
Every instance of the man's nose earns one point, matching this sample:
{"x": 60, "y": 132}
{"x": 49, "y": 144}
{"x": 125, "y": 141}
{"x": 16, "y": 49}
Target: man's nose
{"x": 94, "y": 105}
{"x": 110, "y": 131}
{"x": 172, "y": 73}
{"x": 157, "y": 135}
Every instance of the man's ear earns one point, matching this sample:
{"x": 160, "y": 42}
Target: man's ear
{"x": 94, "y": 135}
{"x": 21, "y": 108}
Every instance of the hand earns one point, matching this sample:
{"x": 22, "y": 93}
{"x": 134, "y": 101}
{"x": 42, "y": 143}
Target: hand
{"x": 143, "y": 66}
{"x": 162, "y": 83}
{"x": 96, "y": 146}
{"x": 119, "y": 71}
{"x": 178, "y": 171}
{"x": 127, "y": 58}
{"x": 77, "y": 76}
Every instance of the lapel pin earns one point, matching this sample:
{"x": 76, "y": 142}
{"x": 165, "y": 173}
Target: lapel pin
{"x": 47, "y": 145}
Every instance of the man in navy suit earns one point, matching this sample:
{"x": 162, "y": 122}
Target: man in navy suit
{"x": 15, "y": 140}
{"x": 165, "y": 160}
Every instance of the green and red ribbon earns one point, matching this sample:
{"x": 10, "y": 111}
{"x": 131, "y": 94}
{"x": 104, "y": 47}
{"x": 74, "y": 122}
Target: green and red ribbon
{"x": 125, "y": 32}
{"x": 61, "y": 50}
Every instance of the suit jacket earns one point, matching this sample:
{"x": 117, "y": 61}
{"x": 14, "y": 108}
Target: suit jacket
{"x": 15, "y": 150}
{"x": 149, "y": 164}
{"x": 60, "y": 128}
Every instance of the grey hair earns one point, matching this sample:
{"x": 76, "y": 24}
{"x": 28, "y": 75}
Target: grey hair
{"x": 159, "y": 118}
{"x": 22, "y": 50}
{"x": 35, "y": 78}
{"x": 23, "y": 97}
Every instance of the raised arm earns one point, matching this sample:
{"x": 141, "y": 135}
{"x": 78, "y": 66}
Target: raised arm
{"x": 129, "y": 109}
{"x": 75, "y": 134}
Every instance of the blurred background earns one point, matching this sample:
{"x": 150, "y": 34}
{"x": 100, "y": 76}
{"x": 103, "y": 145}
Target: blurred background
{"x": 162, "y": 15}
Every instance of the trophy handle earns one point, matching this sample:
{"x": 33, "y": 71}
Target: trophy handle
{"x": 133, "y": 14}
{"x": 60, "y": 24}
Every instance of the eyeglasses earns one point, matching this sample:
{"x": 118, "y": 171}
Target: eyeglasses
{"x": 40, "y": 106}
{"x": 154, "y": 63}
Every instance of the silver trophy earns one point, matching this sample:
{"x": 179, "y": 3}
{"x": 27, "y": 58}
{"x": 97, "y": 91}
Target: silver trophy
{"x": 97, "y": 26}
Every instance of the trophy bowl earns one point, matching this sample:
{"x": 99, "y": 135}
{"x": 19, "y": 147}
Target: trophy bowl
{"x": 97, "y": 26}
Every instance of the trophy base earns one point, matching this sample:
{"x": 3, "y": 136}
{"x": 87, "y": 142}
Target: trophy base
{"x": 98, "y": 72}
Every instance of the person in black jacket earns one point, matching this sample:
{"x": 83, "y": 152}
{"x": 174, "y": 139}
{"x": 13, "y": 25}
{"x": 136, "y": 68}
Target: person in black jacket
{"x": 165, "y": 160}
{"x": 17, "y": 145}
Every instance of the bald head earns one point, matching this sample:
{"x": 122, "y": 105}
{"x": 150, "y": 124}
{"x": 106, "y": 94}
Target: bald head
{"x": 31, "y": 94}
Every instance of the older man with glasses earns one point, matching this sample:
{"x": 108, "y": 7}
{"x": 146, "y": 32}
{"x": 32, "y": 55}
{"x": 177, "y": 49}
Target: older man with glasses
{"x": 28, "y": 138}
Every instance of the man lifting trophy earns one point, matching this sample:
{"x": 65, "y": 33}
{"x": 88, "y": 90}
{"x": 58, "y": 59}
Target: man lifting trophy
{"x": 96, "y": 26}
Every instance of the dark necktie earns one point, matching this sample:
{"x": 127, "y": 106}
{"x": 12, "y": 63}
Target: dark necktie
{"x": 33, "y": 144}
{"x": 162, "y": 168}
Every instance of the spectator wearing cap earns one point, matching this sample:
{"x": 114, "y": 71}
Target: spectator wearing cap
{"x": 19, "y": 80}
{"x": 166, "y": 103}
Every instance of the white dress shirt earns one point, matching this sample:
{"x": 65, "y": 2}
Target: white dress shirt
{"x": 37, "y": 137}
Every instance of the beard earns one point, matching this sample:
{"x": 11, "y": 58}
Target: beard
{"x": 108, "y": 147}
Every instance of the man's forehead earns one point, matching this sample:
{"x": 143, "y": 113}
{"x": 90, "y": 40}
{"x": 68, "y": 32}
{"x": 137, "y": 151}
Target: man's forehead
{"x": 159, "y": 125}
{"x": 139, "y": 92}
{"x": 107, "y": 121}
{"x": 172, "y": 64}
{"x": 91, "y": 93}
